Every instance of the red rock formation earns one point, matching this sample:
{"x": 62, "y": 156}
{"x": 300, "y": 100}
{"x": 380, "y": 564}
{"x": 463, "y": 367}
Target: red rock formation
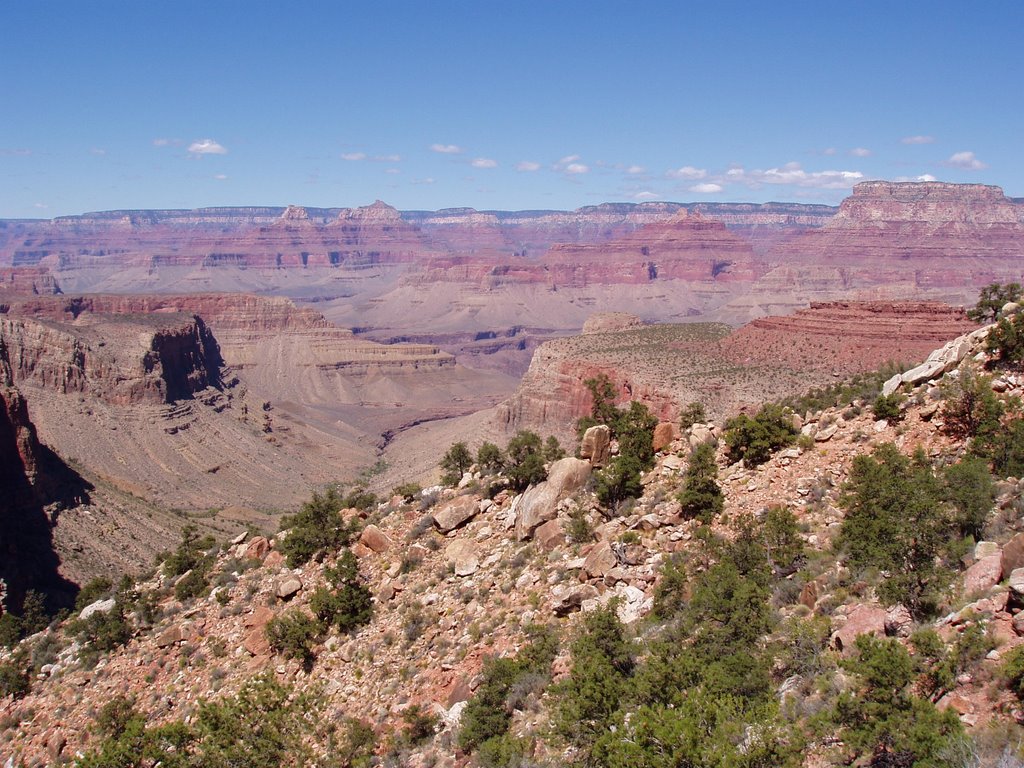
{"x": 848, "y": 337}
{"x": 666, "y": 367}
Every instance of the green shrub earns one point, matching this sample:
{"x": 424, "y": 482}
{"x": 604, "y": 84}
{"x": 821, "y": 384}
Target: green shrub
{"x": 991, "y": 300}
{"x": 1006, "y": 339}
{"x": 755, "y": 439}
{"x": 15, "y": 680}
{"x": 488, "y": 714}
{"x": 553, "y": 450}
{"x": 883, "y": 718}
{"x": 1013, "y": 671}
{"x": 348, "y": 604}
{"x": 95, "y": 589}
{"x": 293, "y": 634}
{"x": 969, "y": 488}
{"x": 701, "y": 497}
{"x": 420, "y": 725}
{"x": 354, "y": 745}
{"x": 455, "y": 462}
{"x": 490, "y": 457}
{"x": 578, "y": 529}
{"x": 189, "y": 553}
{"x": 692, "y": 414}
{"x": 525, "y": 460}
{"x": 896, "y": 521}
{"x": 783, "y": 544}
{"x": 618, "y": 481}
{"x": 970, "y": 409}
{"x": 315, "y": 530}
{"x": 602, "y": 410}
{"x": 408, "y": 491}
{"x": 887, "y": 407}
{"x": 1006, "y": 450}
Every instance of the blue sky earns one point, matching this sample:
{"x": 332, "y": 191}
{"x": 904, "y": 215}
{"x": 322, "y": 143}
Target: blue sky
{"x": 553, "y": 104}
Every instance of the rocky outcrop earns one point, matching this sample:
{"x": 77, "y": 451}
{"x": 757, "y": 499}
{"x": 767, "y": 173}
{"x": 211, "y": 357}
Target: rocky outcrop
{"x": 139, "y": 359}
{"x": 666, "y": 367}
{"x": 848, "y": 337}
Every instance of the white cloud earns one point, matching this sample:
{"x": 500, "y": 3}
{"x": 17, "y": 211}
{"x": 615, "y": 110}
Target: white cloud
{"x": 688, "y": 172}
{"x": 635, "y": 170}
{"x": 966, "y": 161}
{"x": 446, "y": 149}
{"x": 353, "y": 156}
{"x": 221, "y": 177}
{"x": 387, "y": 158}
{"x": 576, "y": 168}
{"x": 206, "y": 147}
{"x": 392, "y": 171}
{"x": 528, "y": 165}
{"x": 568, "y": 159}
{"x": 917, "y": 140}
{"x": 484, "y": 162}
{"x": 860, "y": 152}
{"x": 922, "y": 177}
{"x": 707, "y": 188}
{"x": 829, "y": 151}
{"x": 646, "y": 195}
{"x": 793, "y": 174}
{"x": 427, "y": 180}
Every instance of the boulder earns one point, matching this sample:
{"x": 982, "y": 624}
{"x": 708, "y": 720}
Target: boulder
{"x": 257, "y": 548}
{"x": 664, "y": 434}
{"x": 1016, "y": 583}
{"x": 600, "y": 560}
{"x": 549, "y": 535}
{"x": 700, "y": 434}
{"x": 288, "y": 587}
{"x": 567, "y": 600}
{"x": 809, "y": 595}
{"x": 374, "y": 538}
{"x": 826, "y": 434}
{"x": 596, "y": 445}
{"x": 540, "y": 503}
{"x": 256, "y": 643}
{"x": 1013, "y": 555}
{"x": 924, "y": 372}
{"x": 892, "y": 384}
{"x": 983, "y": 575}
{"x": 455, "y": 513}
{"x": 898, "y": 621}
{"x": 100, "y": 606}
{"x": 169, "y": 637}
{"x": 984, "y": 549}
{"x": 862, "y": 620}
{"x": 463, "y": 556}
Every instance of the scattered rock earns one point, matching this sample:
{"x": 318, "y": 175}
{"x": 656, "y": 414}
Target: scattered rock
{"x": 549, "y": 535}
{"x": 1013, "y": 555}
{"x": 374, "y": 538}
{"x": 100, "y": 606}
{"x": 289, "y": 587}
{"x": 539, "y": 503}
{"x": 568, "y": 600}
{"x": 664, "y": 434}
{"x": 455, "y": 513}
{"x": 824, "y": 435}
{"x": 258, "y": 548}
{"x": 983, "y": 575}
{"x": 600, "y": 560}
{"x": 861, "y": 620}
{"x": 596, "y": 445}
{"x": 169, "y": 637}
{"x": 462, "y": 554}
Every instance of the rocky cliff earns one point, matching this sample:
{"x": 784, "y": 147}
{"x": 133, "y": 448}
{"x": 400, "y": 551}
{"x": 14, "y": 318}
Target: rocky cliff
{"x": 668, "y": 366}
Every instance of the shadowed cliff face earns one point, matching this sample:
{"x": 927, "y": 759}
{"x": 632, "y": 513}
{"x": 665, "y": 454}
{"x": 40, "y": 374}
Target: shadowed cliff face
{"x": 32, "y": 479}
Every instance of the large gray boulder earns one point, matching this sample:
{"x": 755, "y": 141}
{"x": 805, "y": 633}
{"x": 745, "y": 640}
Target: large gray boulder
{"x": 456, "y": 512}
{"x": 596, "y": 445}
{"x": 540, "y": 503}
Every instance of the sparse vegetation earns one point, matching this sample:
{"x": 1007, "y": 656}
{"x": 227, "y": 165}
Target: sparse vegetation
{"x": 701, "y": 498}
{"x": 754, "y": 439}
{"x": 991, "y": 300}
{"x": 315, "y": 530}
{"x": 455, "y": 462}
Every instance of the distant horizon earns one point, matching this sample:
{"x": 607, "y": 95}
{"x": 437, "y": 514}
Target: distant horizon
{"x": 307, "y": 206}
{"x": 138, "y": 106}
